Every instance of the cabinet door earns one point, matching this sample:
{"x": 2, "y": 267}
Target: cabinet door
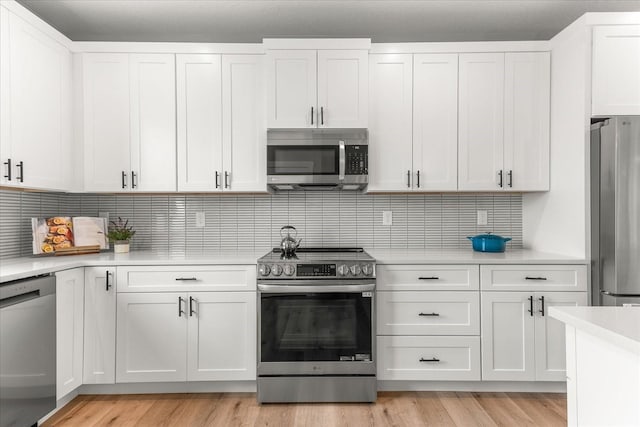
{"x": 390, "y": 107}
{"x": 526, "y": 121}
{"x": 99, "y": 326}
{"x": 222, "y": 336}
{"x": 550, "y": 334}
{"x": 291, "y": 89}
{"x": 507, "y": 336}
{"x": 5, "y": 98}
{"x": 40, "y": 107}
{"x": 69, "y": 330}
{"x": 243, "y": 130}
{"x": 343, "y": 93}
{"x": 153, "y": 122}
{"x": 106, "y": 122}
{"x": 199, "y": 113}
{"x": 152, "y": 337}
{"x": 616, "y": 67}
{"x": 480, "y": 121}
{"x": 435, "y": 122}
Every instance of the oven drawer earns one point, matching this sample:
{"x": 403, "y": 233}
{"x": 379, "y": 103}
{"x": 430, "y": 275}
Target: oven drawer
{"x": 427, "y": 277}
{"x": 428, "y": 358}
{"x": 428, "y": 313}
{"x": 534, "y": 277}
{"x": 182, "y": 278}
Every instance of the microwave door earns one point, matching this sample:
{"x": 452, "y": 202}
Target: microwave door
{"x": 300, "y": 160}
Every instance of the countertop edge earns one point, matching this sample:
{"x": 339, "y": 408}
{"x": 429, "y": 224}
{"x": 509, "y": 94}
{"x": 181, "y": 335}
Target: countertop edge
{"x": 607, "y": 334}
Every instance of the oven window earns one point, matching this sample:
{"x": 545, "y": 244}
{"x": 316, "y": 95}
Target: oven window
{"x": 315, "y": 327}
{"x": 302, "y": 160}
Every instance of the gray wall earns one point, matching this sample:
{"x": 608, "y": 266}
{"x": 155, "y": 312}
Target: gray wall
{"x": 167, "y": 222}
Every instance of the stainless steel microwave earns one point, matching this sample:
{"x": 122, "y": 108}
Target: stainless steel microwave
{"x": 317, "y": 159}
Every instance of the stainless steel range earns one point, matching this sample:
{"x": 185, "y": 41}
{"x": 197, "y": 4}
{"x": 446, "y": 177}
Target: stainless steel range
{"x": 316, "y": 326}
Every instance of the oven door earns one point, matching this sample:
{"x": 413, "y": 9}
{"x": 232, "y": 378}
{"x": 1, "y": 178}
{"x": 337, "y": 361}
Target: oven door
{"x": 324, "y": 329}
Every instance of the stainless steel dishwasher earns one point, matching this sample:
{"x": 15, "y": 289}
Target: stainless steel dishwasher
{"x": 27, "y": 350}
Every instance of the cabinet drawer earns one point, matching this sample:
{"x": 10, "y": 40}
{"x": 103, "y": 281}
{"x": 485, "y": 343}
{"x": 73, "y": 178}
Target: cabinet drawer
{"x": 533, "y": 277}
{"x": 428, "y": 358}
{"x": 428, "y": 313}
{"x": 182, "y": 278}
{"x": 427, "y": 277}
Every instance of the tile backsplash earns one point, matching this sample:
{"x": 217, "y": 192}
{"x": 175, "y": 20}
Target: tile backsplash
{"x": 168, "y": 222}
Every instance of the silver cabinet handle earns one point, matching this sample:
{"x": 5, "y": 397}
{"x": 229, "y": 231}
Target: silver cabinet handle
{"x": 429, "y": 314}
{"x": 107, "y": 284}
{"x": 8, "y": 164}
{"x": 180, "y": 312}
{"x": 342, "y": 161}
{"x": 191, "y": 310}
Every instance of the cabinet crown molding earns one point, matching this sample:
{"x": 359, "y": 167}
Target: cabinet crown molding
{"x": 326, "y": 43}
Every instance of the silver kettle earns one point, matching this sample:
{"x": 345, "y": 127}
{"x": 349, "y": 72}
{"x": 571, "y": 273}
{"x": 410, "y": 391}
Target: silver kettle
{"x": 289, "y": 244}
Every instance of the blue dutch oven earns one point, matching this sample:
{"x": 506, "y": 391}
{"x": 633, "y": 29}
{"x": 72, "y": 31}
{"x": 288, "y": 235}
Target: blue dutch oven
{"x": 488, "y": 242}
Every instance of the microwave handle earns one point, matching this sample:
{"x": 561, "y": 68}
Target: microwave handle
{"x": 342, "y": 162}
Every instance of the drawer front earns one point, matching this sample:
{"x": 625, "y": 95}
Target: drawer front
{"x": 428, "y": 313}
{"x": 533, "y": 277}
{"x": 181, "y": 278}
{"x": 429, "y": 358}
{"x": 428, "y": 277}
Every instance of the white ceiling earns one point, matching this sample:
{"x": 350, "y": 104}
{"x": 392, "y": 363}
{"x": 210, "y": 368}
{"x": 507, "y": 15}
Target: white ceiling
{"x": 251, "y": 20}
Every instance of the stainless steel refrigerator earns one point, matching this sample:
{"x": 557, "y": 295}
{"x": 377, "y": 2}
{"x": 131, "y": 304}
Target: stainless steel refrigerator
{"x": 615, "y": 210}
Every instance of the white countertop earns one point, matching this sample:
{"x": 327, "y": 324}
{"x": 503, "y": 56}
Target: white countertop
{"x": 19, "y": 268}
{"x": 618, "y": 325}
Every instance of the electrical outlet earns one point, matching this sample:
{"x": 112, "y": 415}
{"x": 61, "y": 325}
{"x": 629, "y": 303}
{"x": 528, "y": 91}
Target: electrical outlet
{"x": 200, "y": 220}
{"x": 387, "y": 217}
{"x": 482, "y": 218}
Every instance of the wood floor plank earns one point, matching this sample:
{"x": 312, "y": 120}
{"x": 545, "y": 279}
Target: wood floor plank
{"x": 397, "y": 409}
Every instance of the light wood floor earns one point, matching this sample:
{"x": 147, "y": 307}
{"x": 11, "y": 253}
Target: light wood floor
{"x": 241, "y": 409}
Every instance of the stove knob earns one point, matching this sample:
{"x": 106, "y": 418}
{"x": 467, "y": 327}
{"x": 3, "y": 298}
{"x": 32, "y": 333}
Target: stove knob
{"x": 355, "y": 270}
{"x": 264, "y": 270}
{"x": 367, "y": 269}
{"x": 289, "y": 269}
{"x": 343, "y": 270}
{"x": 276, "y": 269}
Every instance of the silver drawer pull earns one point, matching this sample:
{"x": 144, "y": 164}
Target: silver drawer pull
{"x": 429, "y": 278}
{"x": 429, "y": 314}
{"x": 186, "y": 278}
{"x": 535, "y": 278}
{"x": 433, "y": 359}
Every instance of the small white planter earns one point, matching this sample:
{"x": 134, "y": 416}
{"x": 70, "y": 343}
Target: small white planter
{"x": 121, "y": 246}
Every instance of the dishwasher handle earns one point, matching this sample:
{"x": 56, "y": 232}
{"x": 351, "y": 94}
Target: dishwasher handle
{"x": 24, "y": 290}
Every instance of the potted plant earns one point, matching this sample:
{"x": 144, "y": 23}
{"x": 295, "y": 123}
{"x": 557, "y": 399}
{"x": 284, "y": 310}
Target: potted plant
{"x": 120, "y": 233}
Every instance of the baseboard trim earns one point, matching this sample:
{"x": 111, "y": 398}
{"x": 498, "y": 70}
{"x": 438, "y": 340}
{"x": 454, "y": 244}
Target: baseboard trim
{"x": 177, "y": 387}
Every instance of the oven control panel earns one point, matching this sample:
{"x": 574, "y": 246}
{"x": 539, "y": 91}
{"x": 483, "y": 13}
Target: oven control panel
{"x": 311, "y": 271}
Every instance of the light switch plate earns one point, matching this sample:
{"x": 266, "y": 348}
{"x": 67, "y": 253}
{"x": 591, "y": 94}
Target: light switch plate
{"x": 387, "y": 217}
{"x": 482, "y": 218}
{"x": 200, "y": 220}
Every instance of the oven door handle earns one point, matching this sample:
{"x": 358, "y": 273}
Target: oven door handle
{"x": 282, "y": 289}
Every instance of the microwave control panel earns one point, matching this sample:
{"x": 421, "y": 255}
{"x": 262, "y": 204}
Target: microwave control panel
{"x": 357, "y": 160}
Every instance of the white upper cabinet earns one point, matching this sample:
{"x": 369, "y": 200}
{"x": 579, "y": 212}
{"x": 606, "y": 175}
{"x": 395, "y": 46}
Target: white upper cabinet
{"x": 526, "y": 121}
{"x": 616, "y": 70}
{"x": 504, "y": 122}
{"x": 324, "y": 88}
{"x": 129, "y": 122}
{"x": 292, "y": 88}
{"x": 153, "y": 122}
{"x": 390, "y": 110}
{"x": 435, "y": 122}
{"x": 243, "y": 127}
{"x": 342, "y": 88}
{"x": 480, "y": 143}
{"x": 199, "y": 112}
{"x": 106, "y": 122}
{"x": 221, "y": 123}
{"x": 36, "y": 136}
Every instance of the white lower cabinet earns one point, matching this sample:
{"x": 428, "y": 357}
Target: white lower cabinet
{"x": 519, "y": 341}
{"x": 418, "y": 358}
{"x": 198, "y": 336}
{"x": 99, "y": 325}
{"x": 69, "y": 330}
